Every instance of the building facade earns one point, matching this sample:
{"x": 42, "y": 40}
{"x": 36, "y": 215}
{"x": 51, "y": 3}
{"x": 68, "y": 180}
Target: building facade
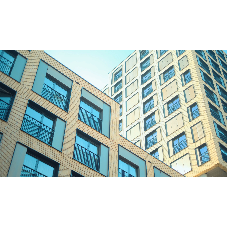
{"x": 173, "y": 104}
{"x": 55, "y": 123}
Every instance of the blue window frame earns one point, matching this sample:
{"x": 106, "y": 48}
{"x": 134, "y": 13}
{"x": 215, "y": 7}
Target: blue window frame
{"x": 222, "y": 64}
{"x": 203, "y": 65}
{"x": 148, "y": 105}
{"x": 207, "y": 79}
{"x": 216, "y": 113}
{"x": 186, "y": 77}
{"x": 214, "y": 65}
{"x": 210, "y": 94}
{"x": 212, "y": 54}
{"x": 224, "y": 105}
{"x": 145, "y": 64}
{"x": 147, "y": 90}
{"x": 117, "y": 75}
{"x": 151, "y": 139}
{"x": 179, "y": 143}
{"x": 168, "y": 74}
{"x": 222, "y": 92}
{"x": 179, "y": 52}
{"x": 203, "y": 154}
{"x": 221, "y": 54}
{"x": 218, "y": 78}
{"x": 194, "y": 111}
{"x": 173, "y": 105}
{"x": 145, "y": 77}
{"x": 201, "y": 53}
{"x": 118, "y": 98}
{"x": 149, "y": 121}
{"x": 143, "y": 53}
{"x": 223, "y": 150}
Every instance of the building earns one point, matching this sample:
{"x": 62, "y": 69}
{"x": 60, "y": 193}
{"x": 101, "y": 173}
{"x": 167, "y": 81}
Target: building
{"x": 55, "y": 123}
{"x": 173, "y": 104}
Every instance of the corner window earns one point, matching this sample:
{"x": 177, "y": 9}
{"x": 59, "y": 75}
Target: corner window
{"x": 173, "y": 105}
{"x": 179, "y": 143}
{"x": 186, "y": 77}
{"x": 126, "y": 169}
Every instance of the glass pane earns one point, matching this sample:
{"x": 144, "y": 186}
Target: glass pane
{"x": 5, "y": 97}
{"x": 49, "y": 82}
{"x": 34, "y": 114}
{"x": 48, "y": 122}
{"x": 123, "y": 165}
{"x": 132, "y": 171}
{"x": 86, "y": 144}
{"x": 7, "y": 56}
{"x": 91, "y": 110}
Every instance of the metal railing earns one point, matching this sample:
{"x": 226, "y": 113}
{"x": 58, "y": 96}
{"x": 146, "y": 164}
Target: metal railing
{"x": 29, "y": 172}
{"x": 123, "y": 173}
{"x": 168, "y": 75}
{"x": 150, "y": 124}
{"x": 180, "y": 146}
{"x": 37, "y": 129}
{"x": 149, "y": 106}
{"x": 146, "y": 77}
{"x": 55, "y": 97}
{"x": 147, "y": 91}
{"x": 4, "y": 110}
{"x": 173, "y": 107}
{"x": 5, "y": 65}
{"x": 152, "y": 141}
{"x": 215, "y": 114}
{"x": 195, "y": 114}
{"x": 90, "y": 119}
{"x": 204, "y": 158}
{"x": 88, "y": 158}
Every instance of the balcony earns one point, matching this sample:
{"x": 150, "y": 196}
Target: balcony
{"x": 195, "y": 114}
{"x": 180, "y": 146}
{"x": 88, "y": 158}
{"x": 4, "y": 110}
{"x": 123, "y": 173}
{"x": 5, "y": 65}
{"x": 55, "y": 97}
{"x": 29, "y": 172}
{"x": 90, "y": 119}
{"x": 37, "y": 129}
{"x": 152, "y": 141}
{"x": 149, "y": 124}
{"x": 173, "y": 107}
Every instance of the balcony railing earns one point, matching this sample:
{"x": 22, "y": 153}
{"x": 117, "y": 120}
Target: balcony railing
{"x": 90, "y": 119}
{"x": 148, "y": 107}
{"x": 152, "y": 141}
{"x": 146, "y": 77}
{"x": 204, "y": 157}
{"x": 55, "y": 97}
{"x": 173, "y": 107}
{"x": 195, "y": 114}
{"x": 180, "y": 146}
{"x": 5, "y": 65}
{"x": 150, "y": 124}
{"x": 123, "y": 173}
{"x": 88, "y": 158}
{"x": 4, "y": 110}
{"x": 147, "y": 91}
{"x": 29, "y": 172}
{"x": 37, "y": 129}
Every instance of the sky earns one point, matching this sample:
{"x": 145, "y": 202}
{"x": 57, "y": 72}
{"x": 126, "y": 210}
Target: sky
{"x": 92, "y": 65}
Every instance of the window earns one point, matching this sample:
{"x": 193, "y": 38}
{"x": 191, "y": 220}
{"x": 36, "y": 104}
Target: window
{"x": 159, "y": 173}
{"x": 220, "y": 53}
{"x": 216, "y": 113}
{"x": 221, "y": 133}
{"x": 56, "y": 93}
{"x": 224, "y": 105}
{"x": 203, "y": 155}
{"x": 168, "y": 74}
{"x": 207, "y": 79}
{"x": 147, "y": 90}
{"x": 179, "y": 143}
{"x": 145, "y": 77}
{"x": 193, "y": 111}
{"x": 87, "y": 151}
{"x": 224, "y": 73}
{"x": 173, "y": 105}
{"x": 37, "y": 165}
{"x": 145, "y": 64}
{"x": 210, "y": 94}
{"x": 75, "y": 174}
{"x": 214, "y": 65}
{"x": 118, "y": 98}
{"x": 0, "y": 137}
{"x": 186, "y": 77}
{"x": 7, "y": 59}
{"x": 218, "y": 78}
{"x": 117, "y": 86}
{"x": 143, "y": 53}
{"x": 6, "y": 101}
{"x": 126, "y": 169}
{"x": 201, "y": 53}
{"x": 120, "y": 125}
{"x": 151, "y": 139}
{"x": 148, "y": 105}
{"x": 161, "y": 52}
{"x": 203, "y": 64}
{"x": 179, "y": 52}
{"x": 120, "y": 110}
{"x": 223, "y": 152}
{"x": 90, "y": 115}
{"x": 149, "y": 122}
{"x": 155, "y": 153}
{"x": 223, "y": 64}
{"x": 222, "y": 92}
{"x": 39, "y": 123}
{"x": 212, "y": 54}
{"x": 117, "y": 75}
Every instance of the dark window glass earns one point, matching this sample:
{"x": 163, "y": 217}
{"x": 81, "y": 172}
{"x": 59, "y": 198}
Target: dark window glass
{"x": 0, "y": 137}
{"x": 7, "y": 59}
{"x": 117, "y": 75}
{"x": 117, "y": 86}
{"x": 143, "y": 53}
{"x": 148, "y": 105}
{"x": 145, "y": 64}
{"x": 207, "y": 79}
{"x": 179, "y": 143}
{"x": 224, "y": 73}
{"x": 120, "y": 110}
{"x": 223, "y": 64}
{"x": 223, "y": 152}
{"x": 75, "y": 174}
{"x": 149, "y": 122}
{"x": 221, "y": 133}
{"x": 201, "y": 53}
{"x": 186, "y": 76}
{"x": 210, "y": 94}
{"x": 145, "y": 77}
{"x": 118, "y": 98}
{"x": 179, "y": 52}
{"x": 173, "y": 105}
{"x": 221, "y": 54}
{"x": 214, "y": 65}
{"x": 155, "y": 153}
{"x": 216, "y": 113}
{"x": 212, "y": 54}
{"x": 222, "y": 92}
{"x": 147, "y": 90}
{"x": 194, "y": 111}
{"x": 126, "y": 169}
{"x": 203, "y": 64}
{"x": 203, "y": 154}
{"x": 151, "y": 139}
{"x": 168, "y": 74}
{"x": 162, "y": 52}
{"x": 218, "y": 78}
{"x": 120, "y": 125}
{"x": 224, "y": 105}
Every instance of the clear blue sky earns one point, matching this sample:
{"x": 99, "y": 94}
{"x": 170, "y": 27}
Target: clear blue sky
{"x": 92, "y": 65}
